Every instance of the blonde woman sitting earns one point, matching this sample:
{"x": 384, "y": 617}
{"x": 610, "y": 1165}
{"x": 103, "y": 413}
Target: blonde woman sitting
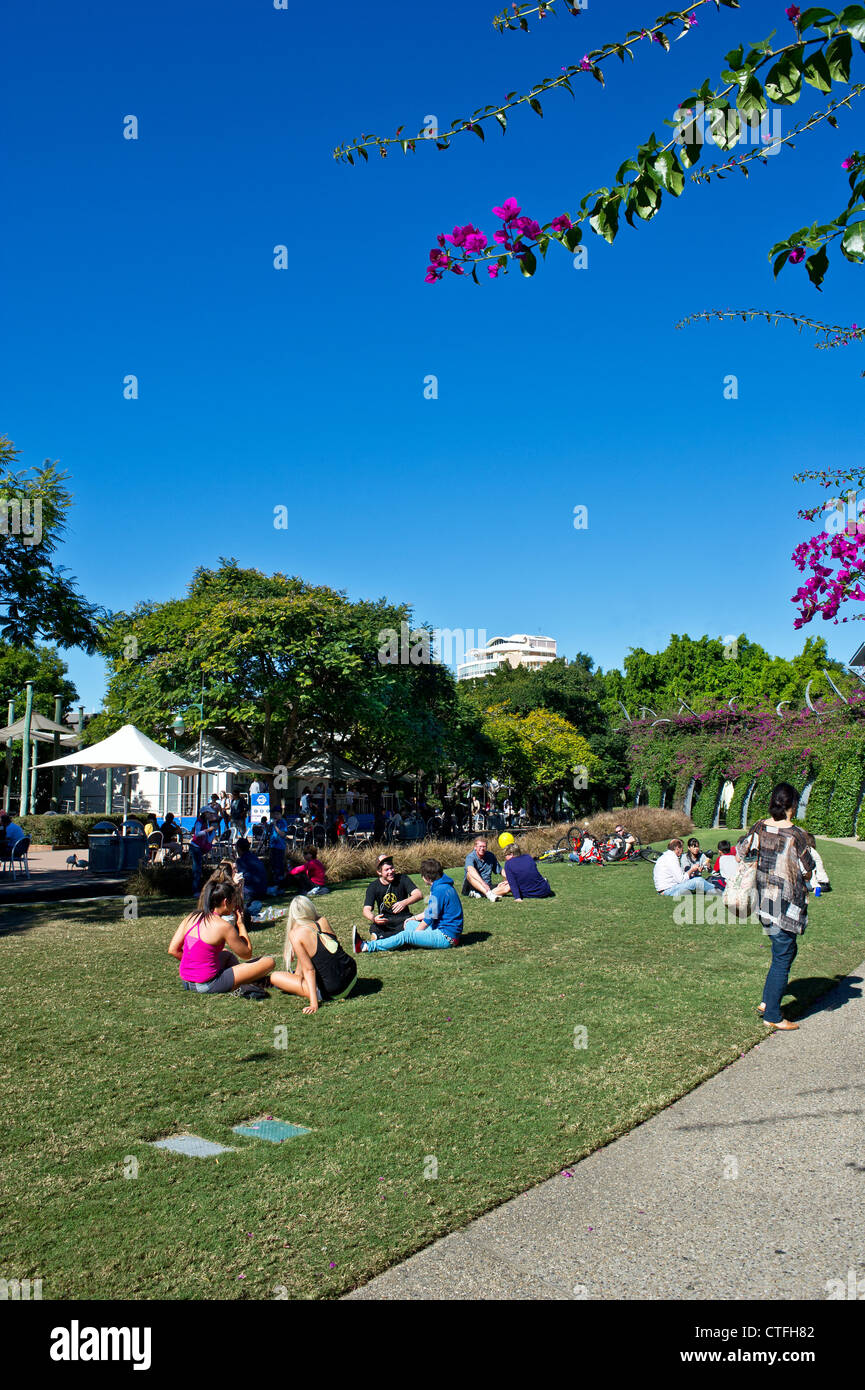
{"x": 324, "y": 970}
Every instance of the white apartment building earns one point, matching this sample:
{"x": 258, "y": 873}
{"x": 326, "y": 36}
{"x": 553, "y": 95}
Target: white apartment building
{"x": 519, "y": 649}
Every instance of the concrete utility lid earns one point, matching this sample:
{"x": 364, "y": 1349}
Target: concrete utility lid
{"x": 275, "y": 1131}
{"x": 192, "y": 1145}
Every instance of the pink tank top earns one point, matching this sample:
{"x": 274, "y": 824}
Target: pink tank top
{"x": 200, "y": 960}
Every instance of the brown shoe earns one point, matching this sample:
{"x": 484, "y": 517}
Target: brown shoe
{"x": 785, "y": 1026}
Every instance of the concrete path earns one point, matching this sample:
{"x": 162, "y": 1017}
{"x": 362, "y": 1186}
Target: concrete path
{"x": 752, "y": 1186}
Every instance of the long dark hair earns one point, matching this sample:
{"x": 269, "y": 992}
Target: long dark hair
{"x": 217, "y": 892}
{"x": 783, "y": 801}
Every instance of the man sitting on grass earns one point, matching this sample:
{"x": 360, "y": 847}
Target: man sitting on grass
{"x": 671, "y": 880}
{"x": 440, "y": 923}
{"x": 480, "y": 866}
{"x": 524, "y": 878}
{"x": 388, "y": 899}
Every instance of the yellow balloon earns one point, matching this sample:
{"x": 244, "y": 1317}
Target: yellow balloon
{"x": 505, "y": 839}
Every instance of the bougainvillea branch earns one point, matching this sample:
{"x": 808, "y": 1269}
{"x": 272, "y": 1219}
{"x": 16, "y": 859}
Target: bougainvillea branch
{"x": 517, "y": 17}
{"x": 775, "y": 142}
{"x": 818, "y": 238}
{"x": 659, "y": 169}
{"x": 835, "y": 557}
{"x": 589, "y": 64}
{"x": 836, "y": 334}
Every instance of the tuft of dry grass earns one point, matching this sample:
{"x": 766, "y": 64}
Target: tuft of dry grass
{"x": 650, "y": 823}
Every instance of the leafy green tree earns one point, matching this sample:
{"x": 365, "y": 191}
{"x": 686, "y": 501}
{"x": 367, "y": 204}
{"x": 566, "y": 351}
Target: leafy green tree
{"x": 38, "y": 599}
{"x": 45, "y": 668}
{"x": 706, "y": 672}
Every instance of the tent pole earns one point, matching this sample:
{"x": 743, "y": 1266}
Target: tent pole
{"x": 109, "y": 789}
{"x": 33, "y": 761}
{"x": 55, "y": 771}
{"x": 78, "y": 768}
{"x": 7, "y": 795}
{"x": 24, "y": 799}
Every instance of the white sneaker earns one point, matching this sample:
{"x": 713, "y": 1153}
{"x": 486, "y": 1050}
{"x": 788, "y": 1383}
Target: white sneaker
{"x": 473, "y": 894}
{"x": 492, "y": 898}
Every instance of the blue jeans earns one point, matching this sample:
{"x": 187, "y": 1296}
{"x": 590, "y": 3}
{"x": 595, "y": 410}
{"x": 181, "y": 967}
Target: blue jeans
{"x": 690, "y": 885}
{"x": 197, "y": 859}
{"x": 785, "y": 945}
{"x": 431, "y": 938}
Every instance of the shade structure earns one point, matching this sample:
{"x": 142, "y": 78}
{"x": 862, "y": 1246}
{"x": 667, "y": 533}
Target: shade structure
{"x": 128, "y": 747}
{"x": 332, "y": 767}
{"x": 215, "y": 757}
{"x": 41, "y": 729}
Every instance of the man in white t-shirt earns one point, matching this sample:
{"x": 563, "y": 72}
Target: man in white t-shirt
{"x": 671, "y": 880}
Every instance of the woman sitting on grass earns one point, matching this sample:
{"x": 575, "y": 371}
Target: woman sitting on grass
{"x": 209, "y": 941}
{"x": 324, "y": 970}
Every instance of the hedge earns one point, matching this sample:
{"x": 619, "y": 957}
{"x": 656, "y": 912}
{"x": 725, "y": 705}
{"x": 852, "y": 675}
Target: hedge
{"x": 69, "y": 832}
{"x": 654, "y": 790}
{"x": 817, "y": 810}
{"x": 737, "y": 801}
{"x": 845, "y": 797}
{"x": 703, "y": 808}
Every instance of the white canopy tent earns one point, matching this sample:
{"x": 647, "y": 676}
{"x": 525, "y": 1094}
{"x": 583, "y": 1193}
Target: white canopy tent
{"x": 128, "y": 748}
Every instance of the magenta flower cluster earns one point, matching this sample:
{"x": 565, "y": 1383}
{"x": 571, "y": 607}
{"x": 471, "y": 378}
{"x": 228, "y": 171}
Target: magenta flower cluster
{"x": 471, "y": 241}
{"x": 827, "y": 588}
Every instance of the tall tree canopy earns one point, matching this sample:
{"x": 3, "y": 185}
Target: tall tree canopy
{"x": 38, "y": 599}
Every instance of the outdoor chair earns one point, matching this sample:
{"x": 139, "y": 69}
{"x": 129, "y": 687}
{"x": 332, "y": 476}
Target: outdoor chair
{"x": 105, "y": 827}
{"x": 155, "y": 853}
{"x": 19, "y": 856}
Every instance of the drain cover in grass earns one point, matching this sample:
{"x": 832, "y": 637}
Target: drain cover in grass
{"x": 192, "y": 1145}
{"x": 273, "y": 1130}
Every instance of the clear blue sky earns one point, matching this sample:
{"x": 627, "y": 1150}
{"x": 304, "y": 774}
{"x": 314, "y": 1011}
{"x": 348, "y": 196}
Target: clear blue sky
{"x": 304, "y": 387}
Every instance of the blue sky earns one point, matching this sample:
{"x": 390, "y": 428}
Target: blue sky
{"x": 260, "y": 388}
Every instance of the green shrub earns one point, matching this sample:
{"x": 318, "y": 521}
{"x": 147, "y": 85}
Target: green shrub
{"x": 173, "y": 879}
{"x": 846, "y": 794}
{"x": 654, "y": 793}
{"x": 703, "y": 809}
{"x": 69, "y": 832}
{"x": 817, "y": 810}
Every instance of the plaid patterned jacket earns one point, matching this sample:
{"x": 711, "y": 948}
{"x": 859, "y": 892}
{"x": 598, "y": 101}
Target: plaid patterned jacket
{"x": 784, "y": 866}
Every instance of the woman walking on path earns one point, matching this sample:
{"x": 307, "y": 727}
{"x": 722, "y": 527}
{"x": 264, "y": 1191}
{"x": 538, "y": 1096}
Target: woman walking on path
{"x": 784, "y": 868}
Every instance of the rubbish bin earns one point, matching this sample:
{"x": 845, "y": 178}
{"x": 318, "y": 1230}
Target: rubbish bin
{"x": 132, "y": 850}
{"x": 105, "y": 853}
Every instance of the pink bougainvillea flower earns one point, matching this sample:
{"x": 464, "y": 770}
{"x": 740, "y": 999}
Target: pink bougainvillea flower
{"x": 797, "y": 255}
{"x": 475, "y": 241}
{"x": 528, "y": 227}
{"x": 848, "y": 162}
{"x": 430, "y": 276}
{"x": 562, "y": 222}
{"x": 501, "y": 237}
{"x": 586, "y": 63}
{"x": 509, "y": 211}
{"x": 793, "y": 12}
{"x": 492, "y": 271}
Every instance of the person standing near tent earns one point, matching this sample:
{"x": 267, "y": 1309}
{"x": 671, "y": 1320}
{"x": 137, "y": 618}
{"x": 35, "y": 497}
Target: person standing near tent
{"x": 238, "y": 811}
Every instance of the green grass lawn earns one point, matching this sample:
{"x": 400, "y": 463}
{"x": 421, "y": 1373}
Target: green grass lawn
{"x": 466, "y": 1057}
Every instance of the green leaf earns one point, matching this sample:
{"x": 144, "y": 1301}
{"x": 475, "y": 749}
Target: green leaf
{"x": 816, "y": 73}
{"x": 725, "y": 127}
{"x": 838, "y": 56}
{"x": 817, "y": 265}
{"x": 598, "y": 76}
{"x": 853, "y": 20}
{"x": 784, "y": 80}
{"x": 668, "y": 171}
{"x": 502, "y": 120}
{"x": 573, "y": 237}
{"x": 735, "y": 56}
{"x": 780, "y": 262}
{"x": 853, "y": 241}
{"x": 536, "y": 105}
{"x": 362, "y": 152}
{"x": 751, "y": 99}
{"x": 349, "y": 157}
{"x": 543, "y": 243}
{"x": 528, "y": 264}
{"x": 476, "y": 130}
{"x": 815, "y": 15}
{"x": 690, "y": 155}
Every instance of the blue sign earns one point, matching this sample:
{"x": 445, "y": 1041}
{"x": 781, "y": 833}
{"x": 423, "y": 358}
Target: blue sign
{"x": 260, "y": 807}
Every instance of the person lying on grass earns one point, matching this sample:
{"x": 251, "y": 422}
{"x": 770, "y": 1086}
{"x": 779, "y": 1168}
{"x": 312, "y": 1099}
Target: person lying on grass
{"x": 324, "y": 970}
{"x": 439, "y": 925}
{"x": 209, "y": 941}
{"x": 524, "y": 877}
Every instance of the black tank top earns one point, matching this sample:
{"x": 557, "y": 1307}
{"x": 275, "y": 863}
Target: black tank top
{"x": 334, "y": 968}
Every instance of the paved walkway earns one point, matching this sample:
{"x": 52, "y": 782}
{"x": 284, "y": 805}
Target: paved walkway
{"x": 752, "y": 1186}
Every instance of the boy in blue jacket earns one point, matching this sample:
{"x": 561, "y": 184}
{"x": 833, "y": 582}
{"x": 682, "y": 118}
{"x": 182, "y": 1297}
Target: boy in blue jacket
{"x": 440, "y": 923}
